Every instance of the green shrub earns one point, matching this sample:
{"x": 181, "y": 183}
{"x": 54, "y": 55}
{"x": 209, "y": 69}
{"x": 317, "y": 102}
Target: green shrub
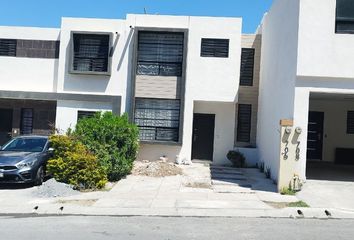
{"x": 72, "y": 163}
{"x": 287, "y": 191}
{"x": 236, "y": 158}
{"x": 113, "y": 139}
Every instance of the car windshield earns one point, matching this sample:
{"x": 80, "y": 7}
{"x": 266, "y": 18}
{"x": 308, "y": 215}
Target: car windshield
{"x": 25, "y": 145}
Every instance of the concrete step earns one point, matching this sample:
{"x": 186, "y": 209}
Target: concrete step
{"x": 239, "y": 183}
{"x": 227, "y": 171}
{"x": 224, "y": 167}
{"x": 232, "y": 189}
{"x": 223, "y": 176}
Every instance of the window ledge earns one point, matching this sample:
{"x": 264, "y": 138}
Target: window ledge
{"x": 90, "y": 73}
{"x": 161, "y": 143}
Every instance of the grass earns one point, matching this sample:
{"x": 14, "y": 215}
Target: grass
{"x": 280, "y": 205}
{"x": 300, "y": 204}
{"x": 287, "y": 191}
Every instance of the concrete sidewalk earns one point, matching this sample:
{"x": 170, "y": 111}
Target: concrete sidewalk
{"x": 190, "y": 194}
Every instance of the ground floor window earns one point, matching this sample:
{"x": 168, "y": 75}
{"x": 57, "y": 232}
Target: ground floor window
{"x": 244, "y": 123}
{"x": 85, "y": 114}
{"x": 157, "y": 119}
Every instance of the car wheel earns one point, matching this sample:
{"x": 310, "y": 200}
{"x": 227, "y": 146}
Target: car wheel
{"x": 39, "y": 177}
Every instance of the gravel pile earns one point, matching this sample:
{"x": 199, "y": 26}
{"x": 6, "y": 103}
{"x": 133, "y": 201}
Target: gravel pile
{"x": 52, "y": 188}
{"x": 156, "y": 169}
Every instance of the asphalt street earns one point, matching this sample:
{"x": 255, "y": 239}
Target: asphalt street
{"x": 154, "y": 228}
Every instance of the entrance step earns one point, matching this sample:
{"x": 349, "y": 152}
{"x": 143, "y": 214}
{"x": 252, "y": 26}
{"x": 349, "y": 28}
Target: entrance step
{"x": 229, "y": 171}
{"x": 223, "y": 176}
{"x": 238, "y": 183}
{"x": 232, "y": 189}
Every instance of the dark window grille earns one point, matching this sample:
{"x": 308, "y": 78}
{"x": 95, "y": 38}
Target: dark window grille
{"x": 160, "y": 53}
{"x": 85, "y": 114}
{"x": 345, "y": 16}
{"x": 91, "y": 52}
{"x": 350, "y": 122}
{"x": 244, "y": 123}
{"x": 247, "y": 66}
{"x": 8, "y": 47}
{"x": 157, "y": 119}
{"x": 212, "y": 47}
{"x": 26, "y": 121}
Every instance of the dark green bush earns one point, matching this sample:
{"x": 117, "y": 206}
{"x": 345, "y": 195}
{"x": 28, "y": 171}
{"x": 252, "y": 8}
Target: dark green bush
{"x": 236, "y": 158}
{"x": 72, "y": 163}
{"x": 113, "y": 139}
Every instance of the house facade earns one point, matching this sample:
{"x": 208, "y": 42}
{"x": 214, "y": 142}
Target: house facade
{"x": 177, "y": 80}
{"x": 195, "y": 86}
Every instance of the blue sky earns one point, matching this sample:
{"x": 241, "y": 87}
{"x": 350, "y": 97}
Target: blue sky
{"x": 47, "y": 13}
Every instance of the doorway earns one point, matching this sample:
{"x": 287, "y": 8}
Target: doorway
{"x": 203, "y": 136}
{"x": 315, "y": 135}
{"x": 5, "y": 125}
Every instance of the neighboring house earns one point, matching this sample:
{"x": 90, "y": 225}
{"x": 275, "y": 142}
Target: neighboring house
{"x": 307, "y": 77}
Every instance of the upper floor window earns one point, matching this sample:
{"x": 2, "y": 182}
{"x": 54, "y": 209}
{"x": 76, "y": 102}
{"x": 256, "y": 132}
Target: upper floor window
{"x": 90, "y": 53}
{"x": 8, "y": 47}
{"x": 345, "y": 16}
{"x": 212, "y": 47}
{"x": 247, "y": 66}
{"x": 160, "y": 53}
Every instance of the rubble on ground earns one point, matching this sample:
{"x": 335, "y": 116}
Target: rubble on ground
{"x": 156, "y": 169}
{"x": 52, "y": 188}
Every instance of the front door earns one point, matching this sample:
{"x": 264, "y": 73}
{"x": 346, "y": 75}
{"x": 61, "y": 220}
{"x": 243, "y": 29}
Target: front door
{"x": 5, "y": 125}
{"x": 315, "y": 136}
{"x": 203, "y": 136}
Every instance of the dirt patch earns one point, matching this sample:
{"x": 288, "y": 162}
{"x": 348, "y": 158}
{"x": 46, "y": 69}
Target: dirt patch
{"x": 280, "y": 205}
{"x": 81, "y": 202}
{"x": 156, "y": 169}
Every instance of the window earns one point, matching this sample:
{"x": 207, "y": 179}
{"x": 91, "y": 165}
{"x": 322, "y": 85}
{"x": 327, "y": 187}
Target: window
{"x": 26, "y": 121}
{"x": 160, "y": 53}
{"x": 247, "y": 67}
{"x": 157, "y": 119}
{"x": 350, "y": 122}
{"x": 212, "y": 47}
{"x": 85, "y": 114}
{"x": 8, "y": 47}
{"x": 345, "y": 16}
{"x": 244, "y": 123}
{"x": 91, "y": 53}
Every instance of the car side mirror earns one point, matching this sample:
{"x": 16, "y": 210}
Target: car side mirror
{"x": 50, "y": 150}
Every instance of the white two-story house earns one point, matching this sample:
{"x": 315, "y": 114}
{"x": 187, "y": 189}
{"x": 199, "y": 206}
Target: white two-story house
{"x": 177, "y": 77}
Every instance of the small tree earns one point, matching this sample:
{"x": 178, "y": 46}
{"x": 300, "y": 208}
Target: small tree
{"x": 113, "y": 139}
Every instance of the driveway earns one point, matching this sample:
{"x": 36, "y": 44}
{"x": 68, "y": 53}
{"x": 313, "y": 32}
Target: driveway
{"x": 329, "y": 186}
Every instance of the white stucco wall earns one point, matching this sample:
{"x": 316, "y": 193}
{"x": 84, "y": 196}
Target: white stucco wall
{"x": 322, "y": 52}
{"x": 66, "y": 115}
{"x": 278, "y": 75}
{"x": 224, "y": 127}
{"x": 117, "y": 83}
{"x": 28, "y": 74}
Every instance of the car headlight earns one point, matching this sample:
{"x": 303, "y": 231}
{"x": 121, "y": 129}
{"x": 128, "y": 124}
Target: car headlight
{"x": 22, "y": 165}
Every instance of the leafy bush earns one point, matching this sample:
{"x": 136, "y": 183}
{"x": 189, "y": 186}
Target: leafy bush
{"x": 73, "y": 164}
{"x": 113, "y": 139}
{"x": 236, "y": 158}
{"x": 287, "y": 191}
